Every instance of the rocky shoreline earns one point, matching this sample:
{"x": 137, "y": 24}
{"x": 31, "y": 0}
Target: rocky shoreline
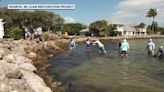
{"x": 119, "y": 37}
{"x": 22, "y": 67}
{"x": 23, "y": 63}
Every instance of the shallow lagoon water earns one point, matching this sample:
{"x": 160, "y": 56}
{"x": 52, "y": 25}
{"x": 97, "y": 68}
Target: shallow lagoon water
{"x": 92, "y": 72}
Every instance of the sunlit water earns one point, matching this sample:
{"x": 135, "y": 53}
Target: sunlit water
{"x": 110, "y": 73}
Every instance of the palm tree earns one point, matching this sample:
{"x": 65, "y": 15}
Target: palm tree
{"x": 142, "y": 25}
{"x": 152, "y": 13}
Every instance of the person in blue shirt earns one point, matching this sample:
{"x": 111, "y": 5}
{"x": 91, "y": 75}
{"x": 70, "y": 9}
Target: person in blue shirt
{"x": 72, "y": 45}
{"x": 150, "y": 47}
{"x": 124, "y": 48}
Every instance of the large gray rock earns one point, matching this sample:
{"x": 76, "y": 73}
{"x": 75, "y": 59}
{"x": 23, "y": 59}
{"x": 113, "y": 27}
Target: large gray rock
{"x": 10, "y": 58}
{"x": 28, "y": 67}
{"x": 14, "y": 75}
{"x": 35, "y": 82}
{"x": 22, "y": 59}
{"x": 19, "y": 51}
{"x": 1, "y": 45}
{"x": 10, "y": 78}
{"x": 14, "y": 85}
{"x": 32, "y": 56}
{"x": 17, "y": 59}
{"x": 4, "y": 52}
{"x": 2, "y": 72}
{"x": 7, "y": 68}
{"x": 16, "y": 69}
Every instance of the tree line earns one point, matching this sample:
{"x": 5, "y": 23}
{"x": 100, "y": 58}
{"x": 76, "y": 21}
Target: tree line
{"x": 51, "y": 21}
{"x": 15, "y": 19}
{"x": 101, "y": 28}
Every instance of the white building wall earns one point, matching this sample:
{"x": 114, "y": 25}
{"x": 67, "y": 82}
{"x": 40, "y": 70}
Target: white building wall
{"x": 130, "y": 31}
{"x": 120, "y": 29}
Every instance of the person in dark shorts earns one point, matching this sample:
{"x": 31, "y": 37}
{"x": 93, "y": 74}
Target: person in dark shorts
{"x": 27, "y": 33}
{"x": 124, "y": 52}
{"x": 124, "y": 48}
{"x": 150, "y": 47}
{"x": 72, "y": 45}
{"x": 160, "y": 53}
{"x": 32, "y": 31}
{"x": 88, "y": 46}
{"x": 119, "y": 46}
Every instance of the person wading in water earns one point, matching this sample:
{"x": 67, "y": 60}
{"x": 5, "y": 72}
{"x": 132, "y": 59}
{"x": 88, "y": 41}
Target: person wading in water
{"x": 72, "y": 46}
{"x": 101, "y": 47}
{"x": 124, "y": 48}
{"x": 150, "y": 47}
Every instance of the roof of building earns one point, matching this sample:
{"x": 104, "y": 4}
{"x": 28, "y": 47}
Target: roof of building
{"x": 84, "y": 30}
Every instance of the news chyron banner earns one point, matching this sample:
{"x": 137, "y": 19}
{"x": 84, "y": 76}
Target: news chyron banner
{"x": 36, "y": 5}
{"x": 41, "y": 6}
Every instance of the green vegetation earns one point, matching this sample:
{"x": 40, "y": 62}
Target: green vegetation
{"x": 61, "y": 44}
{"x": 32, "y": 19}
{"x": 15, "y": 20}
{"x": 141, "y": 25}
{"x": 160, "y": 30}
{"x": 99, "y": 28}
{"x": 112, "y": 30}
{"x": 49, "y": 36}
{"x": 16, "y": 33}
{"x": 114, "y": 33}
{"x": 152, "y": 13}
{"x": 73, "y": 28}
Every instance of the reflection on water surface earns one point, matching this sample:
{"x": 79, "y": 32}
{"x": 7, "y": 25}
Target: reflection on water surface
{"x": 109, "y": 73}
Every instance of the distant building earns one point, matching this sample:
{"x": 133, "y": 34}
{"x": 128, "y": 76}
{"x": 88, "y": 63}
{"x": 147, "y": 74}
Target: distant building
{"x": 130, "y": 30}
{"x": 120, "y": 28}
{"x": 141, "y": 31}
{"x": 84, "y": 31}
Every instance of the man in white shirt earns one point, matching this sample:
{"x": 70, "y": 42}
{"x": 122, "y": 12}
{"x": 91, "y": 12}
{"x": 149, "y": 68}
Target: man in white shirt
{"x": 101, "y": 46}
{"x": 40, "y": 32}
{"x": 27, "y": 33}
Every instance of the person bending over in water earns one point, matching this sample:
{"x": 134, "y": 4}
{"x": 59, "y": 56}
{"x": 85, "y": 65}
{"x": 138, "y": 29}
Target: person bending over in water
{"x": 160, "y": 53}
{"x": 101, "y": 47}
{"x": 88, "y": 46}
{"x": 124, "y": 48}
{"x": 72, "y": 45}
{"x": 150, "y": 47}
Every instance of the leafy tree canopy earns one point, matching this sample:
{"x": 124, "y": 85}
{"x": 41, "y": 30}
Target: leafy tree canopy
{"x": 73, "y": 28}
{"x": 31, "y": 19}
{"x": 99, "y": 27}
